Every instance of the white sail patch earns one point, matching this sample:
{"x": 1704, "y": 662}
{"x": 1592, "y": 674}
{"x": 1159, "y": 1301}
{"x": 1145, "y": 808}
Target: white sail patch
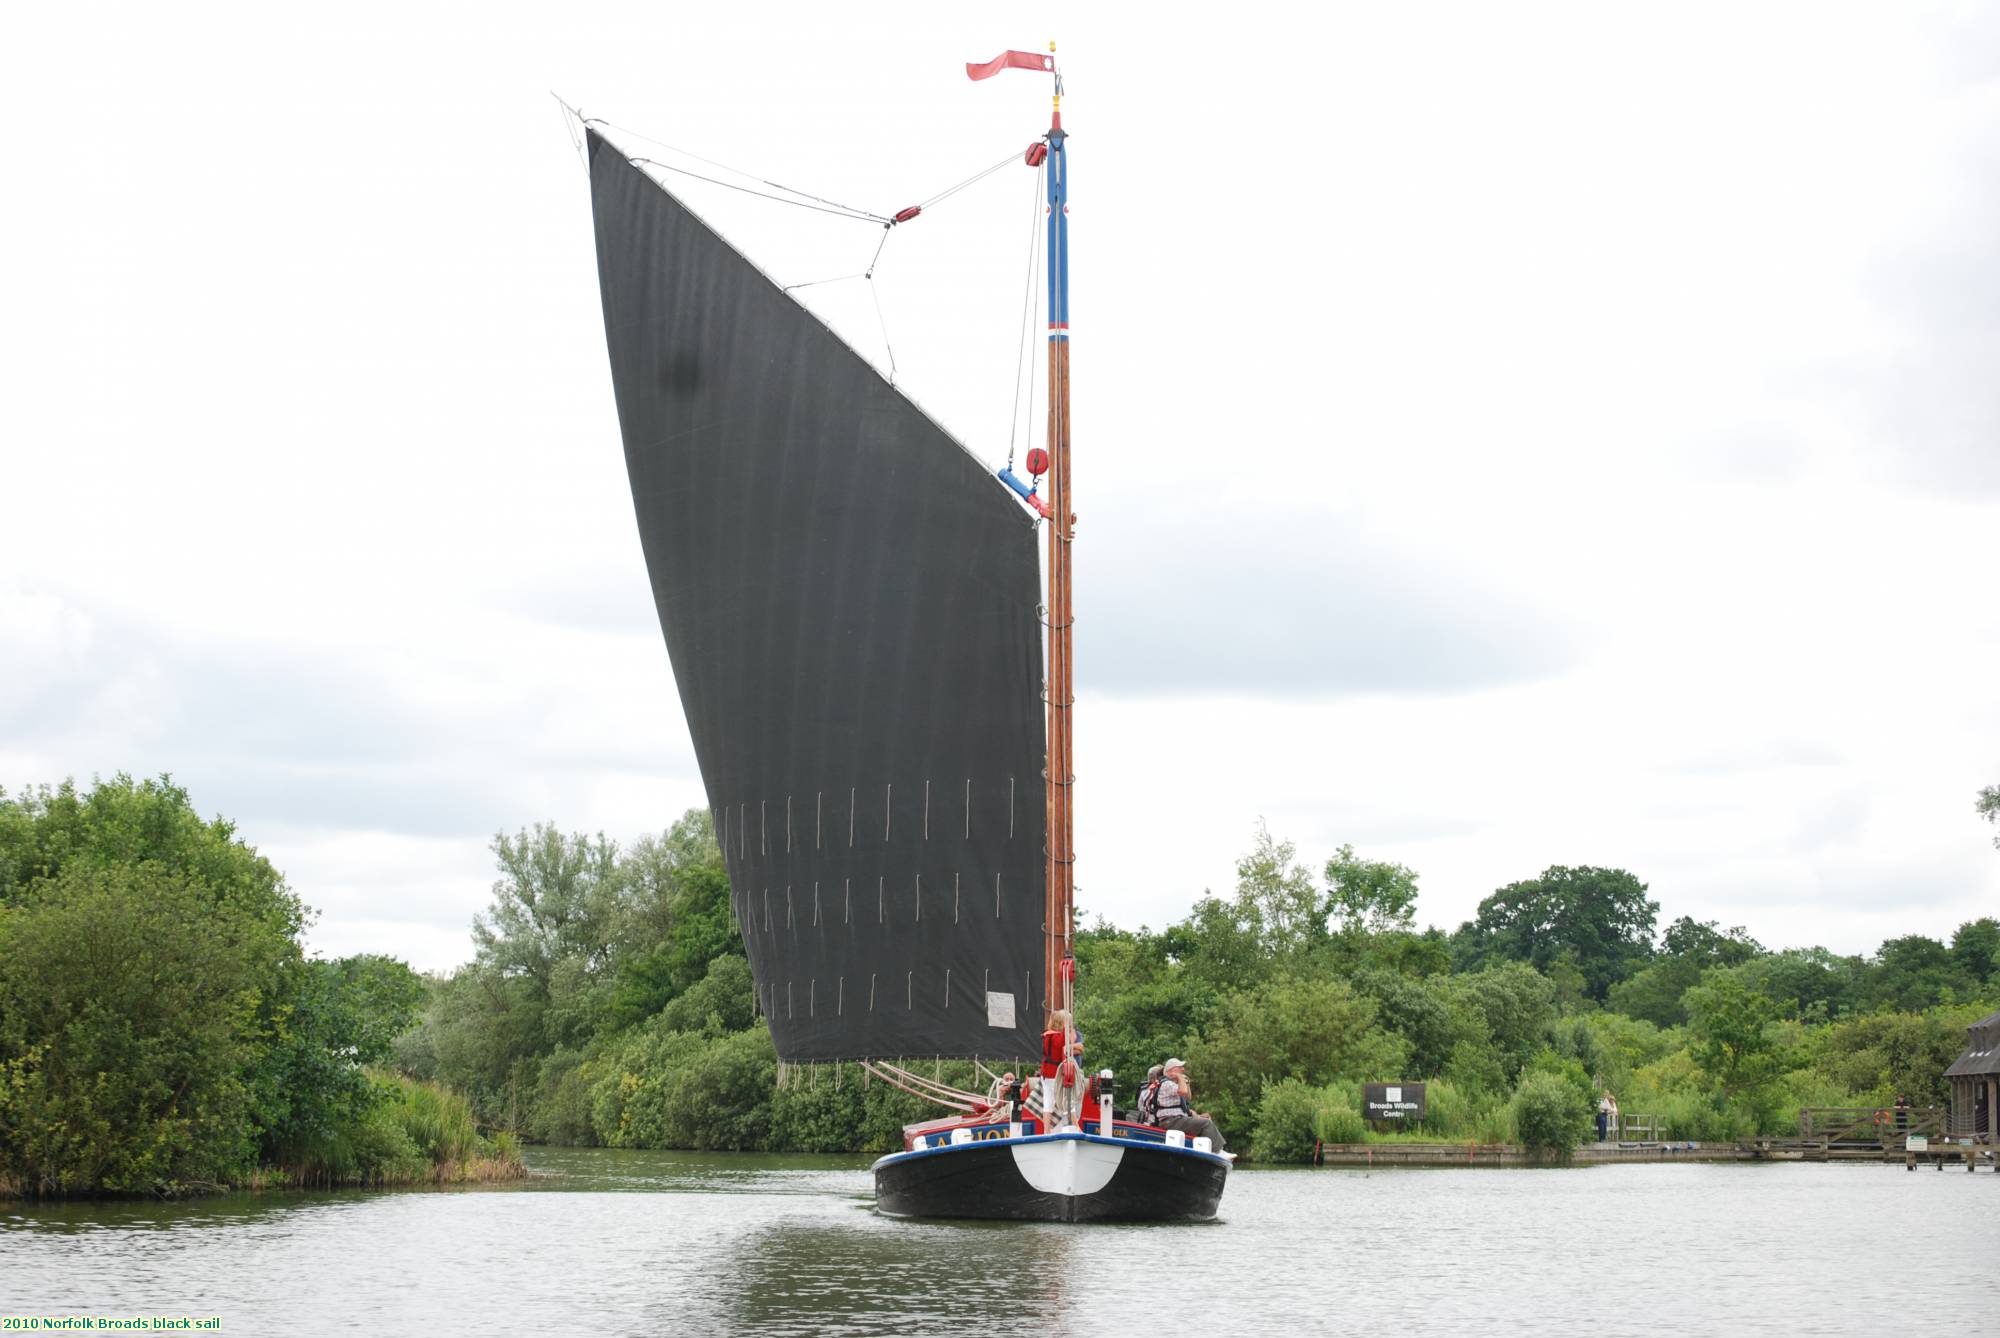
{"x": 999, "y": 1010}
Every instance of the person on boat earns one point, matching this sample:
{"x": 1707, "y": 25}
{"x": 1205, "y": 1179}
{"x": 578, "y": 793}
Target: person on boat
{"x": 1149, "y": 1095}
{"x": 1005, "y": 1094}
{"x": 1176, "y": 1111}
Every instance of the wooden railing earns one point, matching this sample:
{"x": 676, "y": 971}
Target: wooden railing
{"x": 1879, "y": 1126}
{"x": 1638, "y": 1129}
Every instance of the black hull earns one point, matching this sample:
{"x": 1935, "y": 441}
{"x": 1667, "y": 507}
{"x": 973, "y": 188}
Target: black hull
{"x": 1152, "y": 1182}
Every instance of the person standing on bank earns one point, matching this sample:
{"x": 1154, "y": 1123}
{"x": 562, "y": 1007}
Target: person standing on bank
{"x": 1607, "y": 1107}
{"x": 1176, "y": 1110}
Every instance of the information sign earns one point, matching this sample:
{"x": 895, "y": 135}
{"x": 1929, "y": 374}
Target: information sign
{"x": 1392, "y": 1102}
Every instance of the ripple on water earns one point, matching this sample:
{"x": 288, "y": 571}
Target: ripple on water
{"x": 667, "y": 1243}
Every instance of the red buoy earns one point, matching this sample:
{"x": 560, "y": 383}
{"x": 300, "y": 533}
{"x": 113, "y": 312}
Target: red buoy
{"x": 1038, "y": 461}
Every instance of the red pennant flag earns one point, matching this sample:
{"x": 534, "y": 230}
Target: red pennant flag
{"x": 1011, "y": 60}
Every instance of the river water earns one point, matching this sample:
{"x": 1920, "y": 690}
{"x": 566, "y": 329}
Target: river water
{"x": 683, "y": 1243}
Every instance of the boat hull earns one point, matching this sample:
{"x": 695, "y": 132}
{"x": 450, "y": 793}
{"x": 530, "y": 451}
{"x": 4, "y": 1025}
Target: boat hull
{"x": 1065, "y": 1177}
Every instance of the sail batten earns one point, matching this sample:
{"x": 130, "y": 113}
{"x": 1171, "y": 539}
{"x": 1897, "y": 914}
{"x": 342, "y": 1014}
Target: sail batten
{"x": 850, "y": 603}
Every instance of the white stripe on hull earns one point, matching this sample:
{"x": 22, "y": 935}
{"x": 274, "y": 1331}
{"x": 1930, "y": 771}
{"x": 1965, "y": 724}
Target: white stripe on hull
{"x": 1068, "y": 1166}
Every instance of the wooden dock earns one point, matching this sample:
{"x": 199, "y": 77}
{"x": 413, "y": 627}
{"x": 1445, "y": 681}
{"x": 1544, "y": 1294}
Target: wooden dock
{"x": 1913, "y": 1135}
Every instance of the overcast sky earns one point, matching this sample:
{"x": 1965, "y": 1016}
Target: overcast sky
{"x": 1506, "y": 436}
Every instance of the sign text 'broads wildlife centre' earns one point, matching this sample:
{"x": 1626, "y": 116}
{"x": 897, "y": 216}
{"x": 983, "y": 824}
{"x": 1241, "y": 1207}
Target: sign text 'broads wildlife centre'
{"x": 1392, "y": 1103}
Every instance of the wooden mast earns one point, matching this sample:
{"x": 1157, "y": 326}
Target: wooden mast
{"x": 1059, "y": 687}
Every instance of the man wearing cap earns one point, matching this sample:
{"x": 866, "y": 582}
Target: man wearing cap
{"x": 1176, "y": 1113}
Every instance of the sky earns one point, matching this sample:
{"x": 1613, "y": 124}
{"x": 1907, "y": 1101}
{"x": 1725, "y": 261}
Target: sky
{"x": 1504, "y": 436}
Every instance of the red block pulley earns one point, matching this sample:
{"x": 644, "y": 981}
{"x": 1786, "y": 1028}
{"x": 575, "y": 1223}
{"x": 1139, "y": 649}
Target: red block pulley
{"x": 1038, "y": 461}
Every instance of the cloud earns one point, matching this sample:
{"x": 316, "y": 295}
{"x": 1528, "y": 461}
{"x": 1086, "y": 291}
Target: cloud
{"x": 1248, "y": 601}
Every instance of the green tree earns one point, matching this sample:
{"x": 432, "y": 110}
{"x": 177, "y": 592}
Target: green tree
{"x": 1730, "y": 1034}
{"x": 1369, "y": 896}
{"x": 1551, "y": 1116}
{"x": 121, "y": 823}
{"x": 1915, "y": 972}
{"x": 1987, "y": 805}
{"x": 1812, "y": 984}
{"x": 1975, "y": 947}
{"x": 557, "y": 898}
{"x": 1312, "y": 1029}
{"x": 677, "y": 917}
{"x": 129, "y": 1006}
{"x": 1602, "y": 916}
{"x": 311, "y": 1082}
{"x": 1514, "y": 1008}
{"x": 1276, "y": 899}
{"x": 1885, "y": 1055}
{"x": 1702, "y": 943}
{"x": 1687, "y": 949}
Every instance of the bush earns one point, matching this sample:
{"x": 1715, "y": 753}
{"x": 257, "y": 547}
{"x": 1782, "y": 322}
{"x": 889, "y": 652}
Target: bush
{"x": 1338, "y": 1123}
{"x": 561, "y": 1111}
{"x": 1549, "y": 1116}
{"x": 820, "y": 1110}
{"x": 128, "y": 1030}
{"x": 1285, "y": 1122}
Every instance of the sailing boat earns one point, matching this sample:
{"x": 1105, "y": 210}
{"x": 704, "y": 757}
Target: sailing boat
{"x": 879, "y": 695}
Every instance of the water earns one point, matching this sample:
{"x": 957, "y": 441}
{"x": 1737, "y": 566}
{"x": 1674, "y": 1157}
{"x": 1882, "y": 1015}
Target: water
{"x": 681, "y": 1243}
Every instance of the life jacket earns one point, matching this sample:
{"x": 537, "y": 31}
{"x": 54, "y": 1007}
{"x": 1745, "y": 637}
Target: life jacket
{"x": 1178, "y": 1106}
{"x": 1149, "y": 1097}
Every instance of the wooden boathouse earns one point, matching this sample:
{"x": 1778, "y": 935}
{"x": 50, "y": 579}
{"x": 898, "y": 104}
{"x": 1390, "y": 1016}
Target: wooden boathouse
{"x": 1975, "y": 1083}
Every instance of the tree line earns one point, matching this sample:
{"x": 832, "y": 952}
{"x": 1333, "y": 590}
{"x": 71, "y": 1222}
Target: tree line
{"x": 162, "y": 1030}
{"x": 609, "y": 1003}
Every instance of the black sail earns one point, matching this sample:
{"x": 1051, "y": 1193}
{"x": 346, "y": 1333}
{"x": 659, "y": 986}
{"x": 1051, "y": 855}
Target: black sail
{"x": 850, "y": 602}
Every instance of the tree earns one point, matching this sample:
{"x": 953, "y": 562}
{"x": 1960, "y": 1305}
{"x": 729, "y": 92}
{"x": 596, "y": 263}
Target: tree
{"x": 676, "y": 917}
{"x": 1687, "y": 949}
{"x": 121, "y": 823}
{"x": 1975, "y": 947}
{"x": 1655, "y": 992}
{"x": 1730, "y": 1034}
{"x": 129, "y": 1010}
{"x": 1812, "y": 984}
{"x": 556, "y": 898}
{"x": 1276, "y": 899}
{"x": 312, "y": 1085}
{"x": 1601, "y": 915}
{"x": 1369, "y": 896}
{"x": 1312, "y": 1029}
{"x": 1987, "y": 805}
{"x": 1550, "y": 1114}
{"x": 1915, "y": 972}
{"x": 1515, "y": 1004}
{"x": 1703, "y": 944}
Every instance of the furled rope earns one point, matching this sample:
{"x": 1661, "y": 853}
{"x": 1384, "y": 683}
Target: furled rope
{"x": 887, "y": 1073}
{"x": 932, "y": 1083}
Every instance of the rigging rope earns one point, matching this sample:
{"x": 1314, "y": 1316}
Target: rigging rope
{"x": 821, "y": 204}
{"x": 975, "y": 177}
{"x": 883, "y": 321}
{"x": 1021, "y": 358}
{"x": 838, "y": 211}
{"x": 762, "y": 181}
{"x": 569, "y": 113}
